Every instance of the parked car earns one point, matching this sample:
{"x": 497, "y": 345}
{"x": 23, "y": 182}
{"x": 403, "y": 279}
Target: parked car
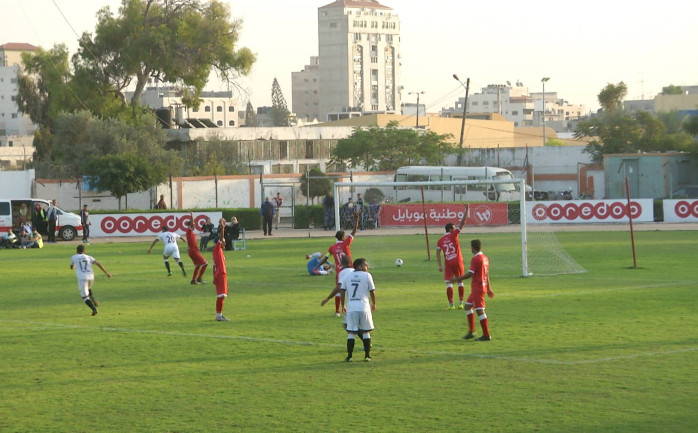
{"x": 68, "y": 226}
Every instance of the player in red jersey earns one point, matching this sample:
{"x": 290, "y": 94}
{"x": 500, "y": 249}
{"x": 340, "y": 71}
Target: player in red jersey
{"x": 200, "y": 262}
{"x": 220, "y": 273}
{"x": 339, "y": 249}
{"x": 453, "y": 266}
{"x": 480, "y": 285}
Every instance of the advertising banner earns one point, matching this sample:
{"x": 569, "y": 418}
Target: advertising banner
{"x": 680, "y": 211}
{"x": 589, "y": 211}
{"x": 146, "y": 224}
{"x": 481, "y": 214}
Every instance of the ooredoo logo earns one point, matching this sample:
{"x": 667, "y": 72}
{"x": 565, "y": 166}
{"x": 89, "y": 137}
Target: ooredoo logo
{"x": 585, "y": 211}
{"x": 144, "y": 224}
{"x": 686, "y": 209}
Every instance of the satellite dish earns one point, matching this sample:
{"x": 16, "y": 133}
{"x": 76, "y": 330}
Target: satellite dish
{"x": 508, "y": 83}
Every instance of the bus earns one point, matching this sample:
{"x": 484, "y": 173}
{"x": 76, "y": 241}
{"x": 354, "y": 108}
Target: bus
{"x": 447, "y": 193}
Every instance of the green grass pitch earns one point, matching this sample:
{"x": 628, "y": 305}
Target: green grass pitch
{"x": 614, "y": 349}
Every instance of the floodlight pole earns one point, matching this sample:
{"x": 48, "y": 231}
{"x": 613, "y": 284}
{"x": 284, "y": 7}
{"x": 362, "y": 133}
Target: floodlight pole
{"x": 465, "y": 110}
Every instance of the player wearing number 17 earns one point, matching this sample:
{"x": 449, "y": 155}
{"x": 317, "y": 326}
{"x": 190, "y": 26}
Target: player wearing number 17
{"x": 82, "y": 263}
{"x": 453, "y": 266}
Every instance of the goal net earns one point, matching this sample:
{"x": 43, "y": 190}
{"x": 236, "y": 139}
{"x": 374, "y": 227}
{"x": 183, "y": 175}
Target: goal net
{"x": 516, "y": 245}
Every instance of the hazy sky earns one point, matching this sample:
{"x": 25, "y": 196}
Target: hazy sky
{"x": 581, "y": 46}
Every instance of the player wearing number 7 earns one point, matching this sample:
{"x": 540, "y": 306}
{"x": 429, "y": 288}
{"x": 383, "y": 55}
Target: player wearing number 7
{"x": 82, "y": 263}
{"x": 453, "y": 258}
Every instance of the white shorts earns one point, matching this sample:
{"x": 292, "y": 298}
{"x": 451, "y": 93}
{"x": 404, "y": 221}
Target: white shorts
{"x": 359, "y": 321}
{"x": 171, "y": 250}
{"x": 84, "y": 287}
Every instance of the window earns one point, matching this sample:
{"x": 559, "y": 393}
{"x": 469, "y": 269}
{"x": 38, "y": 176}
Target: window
{"x": 231, "y": 123}
{"x": 207, "y": 109}
{"x": 309, "y": 149}
{"x": 231, "y": 109}
{"x": 14, "y": 115}
{"x": 219, "y": 123}
{"x": 515, "y": 113}
{"x": 283, "y": 149}
{"x": 219, "y": 109}
{"x": 333, "y": 25}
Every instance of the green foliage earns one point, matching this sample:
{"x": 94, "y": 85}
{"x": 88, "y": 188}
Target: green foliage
{"x": 209, "y": 157}
{"x": 672, "y": 90}
{"x": 308, "y": 216}
{"x": 177, "y": 42}
{"x": 248, "y": 218}
{"x": 612, "y": 96}
{"x": 125, "y": 173}
{"x": 314, "y": 184}
{"x": 391, "y": 147}
{"x": 374, "y": 195}
{"x": 554, "y": 142}
{"x": 279, "y": 110}
{"x": 570, "y": 353}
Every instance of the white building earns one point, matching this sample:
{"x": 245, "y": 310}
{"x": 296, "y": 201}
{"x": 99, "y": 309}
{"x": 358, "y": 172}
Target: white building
{"x": 305, "y": 89}
{"x": 217, "y": 109}
{"x": 16, "y": 129}
{"x": 359, "y": 51}
{"x": 517, "y": 105}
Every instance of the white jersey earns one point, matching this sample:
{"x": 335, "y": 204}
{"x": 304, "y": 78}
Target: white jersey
{"x": 83, "y": 266}
{"x": 342, "y": 275}
{"x": 358, "y": 285}
{"x": 170, "y": 240}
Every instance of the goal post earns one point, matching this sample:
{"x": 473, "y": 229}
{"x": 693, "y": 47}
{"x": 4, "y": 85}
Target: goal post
{"x": 549, "y": 257}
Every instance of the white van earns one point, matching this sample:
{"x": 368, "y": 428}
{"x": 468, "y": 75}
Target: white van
{"x": 68, "y": 224}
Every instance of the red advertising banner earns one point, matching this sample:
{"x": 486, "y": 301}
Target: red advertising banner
{"x": 148, "y": 224}
{"x": 481, "y": 214}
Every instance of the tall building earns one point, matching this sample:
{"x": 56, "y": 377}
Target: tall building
{"x": 359, "y": 51}
{"x": 305, "y": 99}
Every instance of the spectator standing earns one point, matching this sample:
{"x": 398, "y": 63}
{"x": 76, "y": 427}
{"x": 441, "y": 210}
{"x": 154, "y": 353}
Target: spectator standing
{"x": 328, "y": 207}
{"x": 85, "y": 221}
{"x": 277, "y": 216}
{"x": 161, "y": 204}
{"x": 206, "y": 232}
{"x": 52, "y": 217}
{"x": 39, "y": 218}
{"x": 267, "y": 212}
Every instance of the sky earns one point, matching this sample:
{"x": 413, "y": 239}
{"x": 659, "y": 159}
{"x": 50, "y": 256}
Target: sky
{"x": 581, "y": 46}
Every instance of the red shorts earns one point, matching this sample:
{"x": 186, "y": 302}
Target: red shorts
{"x": 197, "y": 258}
{"x": 453, "y": 269}
{"x": 221, "y": 282}
{"x": 477, "y": 298}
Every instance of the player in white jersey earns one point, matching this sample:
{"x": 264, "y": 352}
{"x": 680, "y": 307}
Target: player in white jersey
{"x": 357, "y": 289}
{"x": 82, "y": 263}
{"x": 171, "y": 249}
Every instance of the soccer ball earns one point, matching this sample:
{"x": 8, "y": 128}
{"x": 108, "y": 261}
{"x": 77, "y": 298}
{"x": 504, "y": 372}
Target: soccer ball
{"x": 398, "y": 262}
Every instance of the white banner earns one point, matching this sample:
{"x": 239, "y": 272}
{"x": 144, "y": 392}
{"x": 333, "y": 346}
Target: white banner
{"x": 146, "y": 224}
{"x": 589, "y": 211}
{"x": 680, "y": 211}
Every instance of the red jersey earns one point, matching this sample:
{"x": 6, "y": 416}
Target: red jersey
{"x": 219, "y": 269}
{"x": 192, "y": 245}
{"x": 450, "y": 245}
{"x": 480, "y": 268}
{"x": 339, "y": 249}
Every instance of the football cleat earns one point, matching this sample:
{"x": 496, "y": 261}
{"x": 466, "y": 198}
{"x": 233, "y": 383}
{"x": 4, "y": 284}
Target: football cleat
{"x": 460, "y": 306}
{"x": 94, "y": 312}
{"x": 451, "y": 307}
{"x": 336, "y": 314}
{"x": 368, "y": 359}
{"x": 222, "y": 319}
{"x": 184, "y": 272}
{"x": 200, "y": 281}
{"x": 484, "y": 338}
{"x": 468, "y": 336}
{"x": 347, "y": 359}
{"x": 193, "y": 282}
{"x": 169, "y": 274}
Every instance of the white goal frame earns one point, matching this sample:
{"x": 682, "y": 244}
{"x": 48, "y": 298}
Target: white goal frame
{"x": 522, "y": 200}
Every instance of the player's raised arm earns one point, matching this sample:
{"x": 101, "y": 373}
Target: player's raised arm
{"x": 356, "y": 223}
{"x": 465, "y": 216}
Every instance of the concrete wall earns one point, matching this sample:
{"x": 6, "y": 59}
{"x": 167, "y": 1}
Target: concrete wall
{"x": 16, "y": 184}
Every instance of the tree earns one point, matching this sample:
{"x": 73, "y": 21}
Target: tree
{"x": 612, "y": 96}
{"x": 174, "y": 41}
{"x": 125, "y": 173}
{"x": 279, "y": 110}
{"x": 211, "y": 157}
{"x": 314, "y": 183}
{"x": 250, "y": 115}
{"x": 390, "y": 147}
{"x": 672, "y": 90}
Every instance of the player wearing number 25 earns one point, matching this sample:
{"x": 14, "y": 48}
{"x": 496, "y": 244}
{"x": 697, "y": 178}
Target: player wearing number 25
{"x": 82, "y": 263}
{"x": 453, "y": 258}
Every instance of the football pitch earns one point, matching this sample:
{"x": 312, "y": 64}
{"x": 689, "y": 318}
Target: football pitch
{"x": 613, "y": 349}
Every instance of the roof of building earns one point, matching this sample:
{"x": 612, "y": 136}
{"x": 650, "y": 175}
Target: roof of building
{"x": 17, "y": 46}
{"x": 370, "y": 4}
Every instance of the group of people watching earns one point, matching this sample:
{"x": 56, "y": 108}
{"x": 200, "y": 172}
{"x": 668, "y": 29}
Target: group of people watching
{"x": 231, "y": 233}
{"x": 31, "y": 227}
{"x": 368, "y": 213}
